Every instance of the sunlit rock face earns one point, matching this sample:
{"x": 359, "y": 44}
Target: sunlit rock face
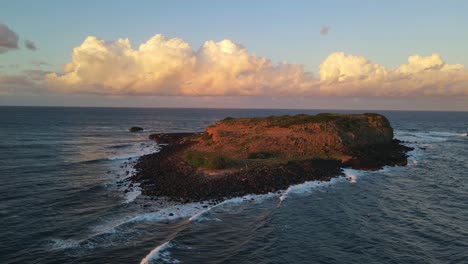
{"x": 326, "y": 136}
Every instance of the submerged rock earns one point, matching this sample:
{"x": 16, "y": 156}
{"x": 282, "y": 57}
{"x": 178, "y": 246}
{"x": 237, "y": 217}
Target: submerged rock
{"x": 135, "y": 129}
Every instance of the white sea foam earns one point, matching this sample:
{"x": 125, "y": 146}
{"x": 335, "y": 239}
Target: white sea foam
{"x": 129, "y": 159}
{"x": 256, "y": 198}
{"x": 136, "y": 151}
{"x": 132, "y": 195}
{"x": 157, "y": 253}
{"x": 305, "y": 188}
{"x": 62, "y": 244}
{"x": 352, "y": 175}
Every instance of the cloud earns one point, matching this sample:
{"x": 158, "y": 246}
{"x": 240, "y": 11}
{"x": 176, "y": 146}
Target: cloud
{"x": 16, "y": 84}
{"x": 348, "y": 75}
{"x": 30, "y": 45}
{"x": 164, "y": 66}
{"x": 8, "y": 39}
{"x": 324, "y": 30}
{"x": 35, "y": 75}
{"x": 169, "y": 66}
{"x": 39, "y": 63}
{"x": 339, "y": 67}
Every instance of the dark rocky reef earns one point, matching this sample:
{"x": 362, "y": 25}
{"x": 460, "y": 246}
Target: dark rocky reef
{"x": 235, "y": 157}
{"x": 135, "y": 129}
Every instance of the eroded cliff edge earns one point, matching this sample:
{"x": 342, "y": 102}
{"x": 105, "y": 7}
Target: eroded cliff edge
{"x": 238, "y": 156}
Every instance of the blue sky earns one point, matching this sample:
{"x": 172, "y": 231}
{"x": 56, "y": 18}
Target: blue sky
{"x": 385, "y": 32}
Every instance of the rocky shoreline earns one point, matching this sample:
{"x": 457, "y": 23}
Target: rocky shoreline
{"x": 167, "y": 174}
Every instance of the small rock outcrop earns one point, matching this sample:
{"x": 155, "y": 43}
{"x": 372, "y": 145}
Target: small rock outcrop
{"x": 135, "y": 129}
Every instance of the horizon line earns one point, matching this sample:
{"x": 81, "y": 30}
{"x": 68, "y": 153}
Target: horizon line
{"x": 231, "y": 108}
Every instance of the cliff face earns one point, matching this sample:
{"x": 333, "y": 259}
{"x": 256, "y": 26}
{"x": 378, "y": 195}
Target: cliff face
{"x": 282, "y": 138}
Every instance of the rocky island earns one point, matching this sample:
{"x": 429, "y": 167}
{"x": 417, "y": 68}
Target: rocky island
{"x": 239, "y": 156}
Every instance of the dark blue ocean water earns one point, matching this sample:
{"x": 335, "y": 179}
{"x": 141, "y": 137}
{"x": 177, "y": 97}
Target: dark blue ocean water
{"x": 61, "y": 200}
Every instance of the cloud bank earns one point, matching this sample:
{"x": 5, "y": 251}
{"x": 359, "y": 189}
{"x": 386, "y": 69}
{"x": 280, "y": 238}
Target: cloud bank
{"x": 170, "y": 66}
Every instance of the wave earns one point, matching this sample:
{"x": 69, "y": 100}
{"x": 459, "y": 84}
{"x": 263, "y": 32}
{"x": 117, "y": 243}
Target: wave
{"x": 121, "y": 146}
{"x": 92, "y": 161}
{"x": 425, "y": 137}
{"x": 191, "y": 212}
{"x": 133, "y": 194}
{"x": 61, "y": 244}
{"x": 309, "y": 187}
{"x": 133, "y": 151}
{"x": 422, "y": 140}
{"x": 112, "y": 158}
{"x": 233, "y": 201}
{"x": 157, "y": 253}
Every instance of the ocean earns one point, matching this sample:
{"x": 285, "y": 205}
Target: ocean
{"x": 64, "y": 197}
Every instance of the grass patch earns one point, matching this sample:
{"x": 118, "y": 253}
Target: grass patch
{"x": 208, "y": 161}
{"x": 285, "y": 120}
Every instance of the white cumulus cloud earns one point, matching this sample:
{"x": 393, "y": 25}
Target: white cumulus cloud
{"x": 163, "y": 66}
{"x": 170, "y": 66}
{"x": 348, "y": 75}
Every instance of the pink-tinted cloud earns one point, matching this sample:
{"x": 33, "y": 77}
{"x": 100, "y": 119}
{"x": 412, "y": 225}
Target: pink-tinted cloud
{"x": 324, "y": 30}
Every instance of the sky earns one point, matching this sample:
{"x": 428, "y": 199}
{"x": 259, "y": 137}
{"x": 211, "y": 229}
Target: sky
{"x": 383, "y": 55}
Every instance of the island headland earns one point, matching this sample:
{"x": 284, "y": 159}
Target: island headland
{"x": 239, "y": 156}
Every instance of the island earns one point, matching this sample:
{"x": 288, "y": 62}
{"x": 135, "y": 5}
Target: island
{"x": 239, "y": 156}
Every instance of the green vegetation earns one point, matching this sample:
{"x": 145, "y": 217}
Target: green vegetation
{"x": 262, "y": 155}
{"x": 206, "y": 136}
{"x": 287, "y": 120}
{"x": 384, "y": 119}
{"x": 203, "y": 160}
{"x": 284, "y": 121}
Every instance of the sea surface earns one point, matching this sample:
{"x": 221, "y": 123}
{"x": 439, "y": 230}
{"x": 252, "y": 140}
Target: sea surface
{"x": 64, "y": 197}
